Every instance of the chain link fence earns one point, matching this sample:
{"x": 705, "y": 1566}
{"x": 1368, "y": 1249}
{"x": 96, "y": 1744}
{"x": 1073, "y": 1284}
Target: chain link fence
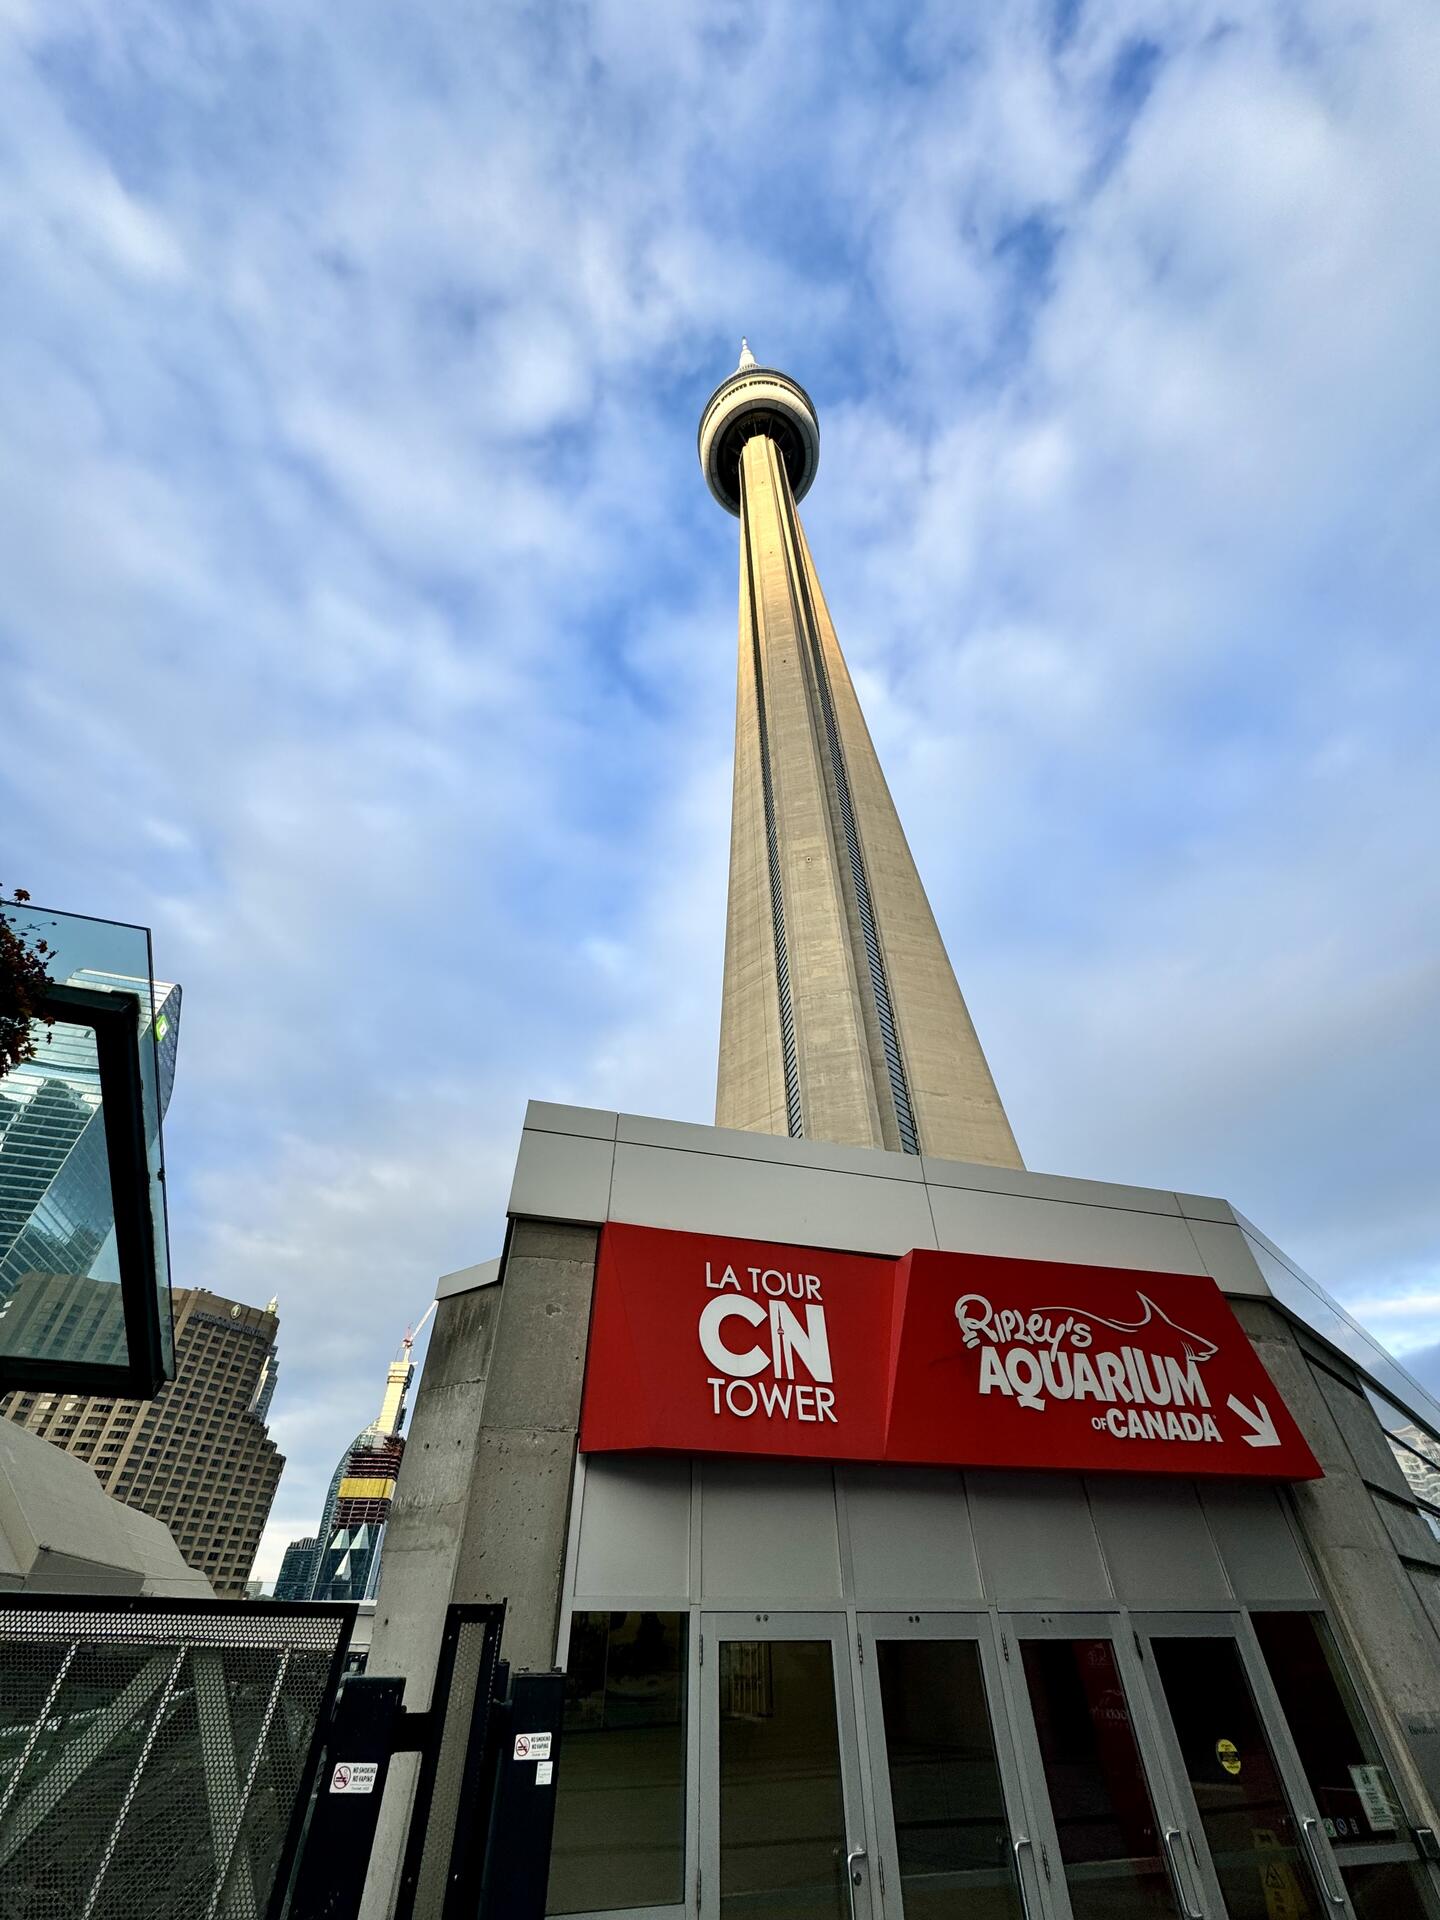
{"x": 156, "y": 1757}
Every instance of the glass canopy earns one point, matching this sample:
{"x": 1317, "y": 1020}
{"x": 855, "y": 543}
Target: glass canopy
{"x": 84, "y": 1269}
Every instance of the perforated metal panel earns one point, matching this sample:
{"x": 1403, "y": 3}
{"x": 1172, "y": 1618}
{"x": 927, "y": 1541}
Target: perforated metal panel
{"x": 445, "y": 1813}
{"x": 155, "y": 1757}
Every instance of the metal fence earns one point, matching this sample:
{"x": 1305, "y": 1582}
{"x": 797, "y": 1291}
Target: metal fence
{"x": 157, "y": 1756}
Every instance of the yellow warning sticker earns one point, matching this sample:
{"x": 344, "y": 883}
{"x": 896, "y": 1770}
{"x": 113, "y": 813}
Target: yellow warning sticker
{"x": 1284, "y": 1897}
{"x": 1228, "y": 1754}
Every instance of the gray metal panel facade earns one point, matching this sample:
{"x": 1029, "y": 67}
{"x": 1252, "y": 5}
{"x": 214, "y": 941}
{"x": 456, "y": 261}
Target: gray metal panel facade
{"x": 910, "y": 1538}
{"x": 785, "y": 1534}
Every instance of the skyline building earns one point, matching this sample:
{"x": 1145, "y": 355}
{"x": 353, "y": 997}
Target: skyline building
{"x": 346, "y": 1563}
{"x": 297, "y": 1570}
{"x": 198, "y": 1456}
{"x": 841, "y": 1017}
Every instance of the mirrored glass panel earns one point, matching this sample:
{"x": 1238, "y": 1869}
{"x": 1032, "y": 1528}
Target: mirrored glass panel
{"x": 1417, "y": 1454}
{"x": 82, "y": 1205}
{"x": 1104, "y": 1821}
{"x": 782, "y": 1807}
{"x": 59, "y": 1272}
{"x": 952, "y": 1836}
{"x": 620, "y": 1805}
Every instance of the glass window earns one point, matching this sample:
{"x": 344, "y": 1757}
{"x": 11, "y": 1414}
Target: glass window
{"x": 1415, "y": 1446}
{"x": 620, "y": 1805}
{"x": 1104, "y": 1821}
{"x": 951, "y": 1832}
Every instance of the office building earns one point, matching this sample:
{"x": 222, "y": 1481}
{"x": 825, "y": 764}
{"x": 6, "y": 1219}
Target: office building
{"x": 297, "y": 1570}
{"x": 198, "y": 1456}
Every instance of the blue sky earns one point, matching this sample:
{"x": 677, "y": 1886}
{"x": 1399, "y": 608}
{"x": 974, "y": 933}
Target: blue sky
{"x": 365, "y": 627}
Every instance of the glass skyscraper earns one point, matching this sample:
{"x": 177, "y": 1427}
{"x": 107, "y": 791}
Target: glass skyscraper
{"x": 297, "y": 1570}
{"x": 346, "y": 1560}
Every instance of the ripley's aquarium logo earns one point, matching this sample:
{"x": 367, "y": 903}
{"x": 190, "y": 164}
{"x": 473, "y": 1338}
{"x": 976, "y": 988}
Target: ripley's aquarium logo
{"x": 1146, "y": 1372}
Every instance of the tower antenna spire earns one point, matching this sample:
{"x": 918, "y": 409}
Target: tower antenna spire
{"x": 747, "y": 358}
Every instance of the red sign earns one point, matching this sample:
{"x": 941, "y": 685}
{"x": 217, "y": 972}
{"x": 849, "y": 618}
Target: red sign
{"x": 703, "y": 1345}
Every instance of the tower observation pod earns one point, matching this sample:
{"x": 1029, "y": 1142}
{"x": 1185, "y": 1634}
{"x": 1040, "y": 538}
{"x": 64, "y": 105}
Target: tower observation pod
{"x": 758, "y": 400}
{"x": 841, "y": 1017}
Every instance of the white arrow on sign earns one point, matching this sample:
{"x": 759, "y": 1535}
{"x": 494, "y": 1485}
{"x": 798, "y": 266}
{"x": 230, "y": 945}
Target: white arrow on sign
{"x": 1262, "y": 1427}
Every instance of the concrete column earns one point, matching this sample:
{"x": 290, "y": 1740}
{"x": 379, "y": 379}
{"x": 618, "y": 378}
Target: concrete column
{"x": 799, "y": 723}
{"x": 837, "y": 1089}
{"x": 750, "y": 1089}
{"x": 482, "y": 1506}
{"x": 957, "y": 1109}
{"x": 512, "y": 1543}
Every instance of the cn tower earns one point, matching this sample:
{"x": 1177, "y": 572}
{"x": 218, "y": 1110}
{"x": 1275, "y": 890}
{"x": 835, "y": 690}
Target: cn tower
{"x": 842, "y": 1019}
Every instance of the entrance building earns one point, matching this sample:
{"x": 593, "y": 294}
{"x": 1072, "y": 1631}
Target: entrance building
{"x": 922, "y": 1538}
{"x": 802, "y": 1685}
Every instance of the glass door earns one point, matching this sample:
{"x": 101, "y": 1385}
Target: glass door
{"x": 952, "y": 1836}
{"x": 1110, "y": 1844}
{"x": 1351, "y": 1791}
{"x": 782, "y": 1828}
{"x": 1299, "y": 1814}
{"x": 1257, "y": 1849}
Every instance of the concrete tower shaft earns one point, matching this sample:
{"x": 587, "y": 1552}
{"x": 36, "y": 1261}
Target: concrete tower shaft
{"x": 841, "y": 1017}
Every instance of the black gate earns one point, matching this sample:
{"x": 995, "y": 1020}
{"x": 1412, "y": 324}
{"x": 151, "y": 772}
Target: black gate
{"x": 157, "y": 1756}
{"x": 446, "y": 1843}
{"x": 206, "y": 1760}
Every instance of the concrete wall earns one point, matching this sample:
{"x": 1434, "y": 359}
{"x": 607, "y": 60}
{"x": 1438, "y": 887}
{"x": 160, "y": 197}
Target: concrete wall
{"x": 1368, "y": 1543}
{"x": 482, "y": 1505}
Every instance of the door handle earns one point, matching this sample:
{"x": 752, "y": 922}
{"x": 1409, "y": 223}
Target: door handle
{"x": 852, "y": 1878}
{"x": 1022, "y": 1840}
{"x": 1187, "y": 1908}
{"x": 1310, "y": 1827}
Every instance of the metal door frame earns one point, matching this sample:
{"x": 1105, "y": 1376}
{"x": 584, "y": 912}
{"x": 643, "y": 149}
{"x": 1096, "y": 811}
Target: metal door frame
{"x": 1234, "y": 1626}
{"x": 978, "y": 1627}
{"x": 1191, "y": 1893}
{"x": 834, "y": 1627}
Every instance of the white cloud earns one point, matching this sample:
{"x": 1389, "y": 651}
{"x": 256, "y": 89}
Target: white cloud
{"x": 365, "y": 626}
